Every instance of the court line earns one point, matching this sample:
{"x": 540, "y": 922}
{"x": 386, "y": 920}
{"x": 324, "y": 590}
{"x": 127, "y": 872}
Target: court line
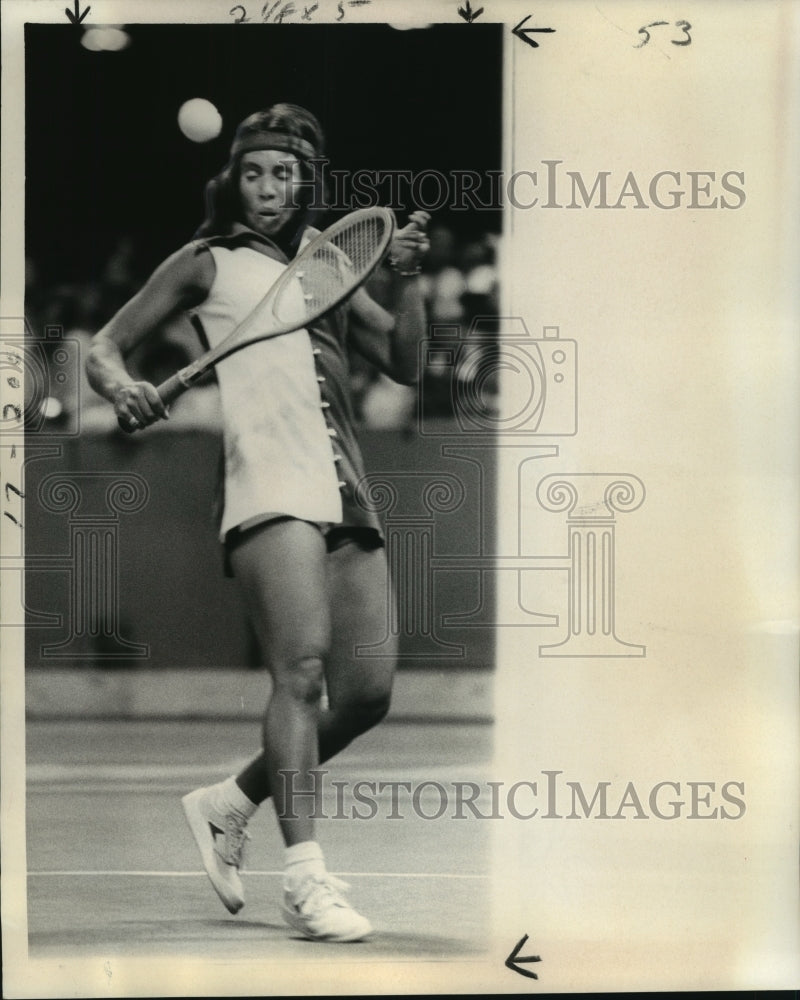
{"x": 159, "y": 874}
{"x": 42, "y": 773}
{"x": 121, "y": 772}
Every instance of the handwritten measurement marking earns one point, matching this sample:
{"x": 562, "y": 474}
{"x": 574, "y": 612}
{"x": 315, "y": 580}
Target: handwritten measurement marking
{"x": 468, "y": 13}
{"x": 19, "y": 493}
{"x": 77, "y": 17}
{"x": 13, "y": 411}
{"x": 684, "y": 26}
{"x": 523, "y": 33}
{"x": 515, "y": 959}
{"x": 278, "y": 11}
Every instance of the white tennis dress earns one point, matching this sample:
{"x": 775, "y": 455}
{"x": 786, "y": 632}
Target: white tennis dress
{"x": 280, "y": 451}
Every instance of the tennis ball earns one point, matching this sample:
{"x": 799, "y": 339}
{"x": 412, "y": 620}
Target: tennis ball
{"x": 199, "y": 120}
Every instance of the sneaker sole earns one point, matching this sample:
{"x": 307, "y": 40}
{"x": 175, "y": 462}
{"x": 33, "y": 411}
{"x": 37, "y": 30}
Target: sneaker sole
{"x": 297, "y": 924}
{"x": 198, "y": 824}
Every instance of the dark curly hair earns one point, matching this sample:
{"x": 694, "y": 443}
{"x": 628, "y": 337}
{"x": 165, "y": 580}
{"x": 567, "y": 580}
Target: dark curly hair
{"x": 283, "y": 126}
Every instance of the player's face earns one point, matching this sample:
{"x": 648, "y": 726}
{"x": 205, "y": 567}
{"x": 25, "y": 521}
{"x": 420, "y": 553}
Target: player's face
{"x": 268, "y": 188}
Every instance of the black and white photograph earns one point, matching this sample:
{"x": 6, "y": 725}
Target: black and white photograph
{"x": 399, "y": 457}
{"x": 234, "y": 567}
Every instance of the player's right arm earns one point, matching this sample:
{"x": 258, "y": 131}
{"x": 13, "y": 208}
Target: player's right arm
{"x": 180, "y": 283}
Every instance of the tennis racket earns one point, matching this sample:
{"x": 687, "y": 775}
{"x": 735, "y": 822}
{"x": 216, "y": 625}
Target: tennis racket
{"x": 333, "y": 266}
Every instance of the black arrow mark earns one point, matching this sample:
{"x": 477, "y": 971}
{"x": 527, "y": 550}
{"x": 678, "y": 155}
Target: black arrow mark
{"x": 77, "y": 17}
{"x": 523, "y": 33}
{"x": 468, "y": 13}
{"x": 512, "y": 961}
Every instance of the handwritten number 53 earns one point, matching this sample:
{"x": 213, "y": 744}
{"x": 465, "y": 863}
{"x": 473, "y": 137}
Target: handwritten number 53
{"x": 684, "y": 27}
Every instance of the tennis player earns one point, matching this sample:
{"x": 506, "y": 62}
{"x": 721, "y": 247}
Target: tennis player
{"x": 309, "y": 559}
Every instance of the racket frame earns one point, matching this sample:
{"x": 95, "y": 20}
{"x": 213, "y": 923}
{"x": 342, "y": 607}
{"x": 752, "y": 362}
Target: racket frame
{"x": 186, "y": 377}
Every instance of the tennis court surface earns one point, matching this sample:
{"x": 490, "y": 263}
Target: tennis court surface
{"x": 113, "y": 870}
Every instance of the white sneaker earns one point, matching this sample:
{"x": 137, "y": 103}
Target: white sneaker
{"x": 318, "y": 910}
{"x": 221, "y": 838}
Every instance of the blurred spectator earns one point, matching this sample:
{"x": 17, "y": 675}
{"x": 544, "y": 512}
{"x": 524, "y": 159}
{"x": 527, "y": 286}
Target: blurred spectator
{"x": 444, "y": 282}
{"x": 461, "y": 291}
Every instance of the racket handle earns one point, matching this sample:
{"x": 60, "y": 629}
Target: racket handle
{"x": 125, "y": 426}
{"x": 168, "y": 391}
{"x": 172, "y": 388}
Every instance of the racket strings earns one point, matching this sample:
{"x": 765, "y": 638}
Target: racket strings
{"x": 333, "y": 269}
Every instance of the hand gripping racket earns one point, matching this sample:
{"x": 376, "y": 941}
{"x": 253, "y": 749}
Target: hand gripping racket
{"x": 333, "y": 265}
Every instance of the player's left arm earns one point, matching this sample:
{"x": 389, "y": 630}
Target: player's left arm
{"x": 389, "y": 336}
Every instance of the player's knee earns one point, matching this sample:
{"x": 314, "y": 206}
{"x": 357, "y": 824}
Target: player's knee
{"x": 303, "y": 679}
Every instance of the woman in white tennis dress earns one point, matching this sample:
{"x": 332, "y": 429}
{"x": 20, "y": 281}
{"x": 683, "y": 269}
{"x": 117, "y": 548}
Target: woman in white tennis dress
{"x": 309, "y": 557}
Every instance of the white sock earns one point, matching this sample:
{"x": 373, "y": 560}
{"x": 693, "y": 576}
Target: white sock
{"x": 231, "y": 798}
{"x": 301, "y": 861}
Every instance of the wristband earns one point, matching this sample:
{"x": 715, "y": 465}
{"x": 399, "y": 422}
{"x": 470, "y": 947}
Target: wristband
{"x": 392, "y": 262}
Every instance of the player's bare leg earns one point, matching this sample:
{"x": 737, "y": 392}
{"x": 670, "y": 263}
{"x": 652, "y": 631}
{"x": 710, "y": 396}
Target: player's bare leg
{"x": 282, "y": 570}
{"x": 359, "y": 687}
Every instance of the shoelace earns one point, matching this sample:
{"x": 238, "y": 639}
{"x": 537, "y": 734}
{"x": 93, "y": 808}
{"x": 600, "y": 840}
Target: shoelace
{"x": 315, "y": 888}
{"x": 235, "y": 839}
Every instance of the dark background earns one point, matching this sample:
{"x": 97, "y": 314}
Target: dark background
{"x": 105, "y": 157}
{"x": 113, "y": 187}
